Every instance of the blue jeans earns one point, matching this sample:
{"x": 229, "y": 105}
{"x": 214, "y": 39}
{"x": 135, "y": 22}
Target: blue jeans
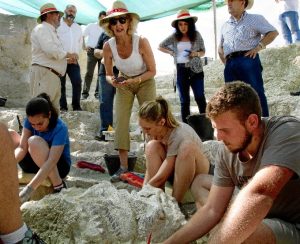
{"x": 186, "y": 79}
{"x": 73, "y": 71}
{"x": 90, "y": 67}
{"x": 106, "y": 99}
{"x": 289, "y": 22}
{"x": 248, "y": 70}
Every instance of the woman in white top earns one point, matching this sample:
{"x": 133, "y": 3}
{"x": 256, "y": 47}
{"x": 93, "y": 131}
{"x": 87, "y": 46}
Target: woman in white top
{"x": 187, "y": 47}
{"x": 133, "y": 57}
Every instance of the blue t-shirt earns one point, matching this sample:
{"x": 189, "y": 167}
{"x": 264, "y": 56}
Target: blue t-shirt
{"x": 55, "y": 137}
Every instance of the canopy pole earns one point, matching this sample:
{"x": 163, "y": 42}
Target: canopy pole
{"x": 215, "y": 27}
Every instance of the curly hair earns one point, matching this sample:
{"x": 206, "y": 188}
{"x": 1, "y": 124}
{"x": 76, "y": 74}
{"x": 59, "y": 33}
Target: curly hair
{"x": 132, "y": 27}
{"x": 191, "y": 30}
{"x": 237, "y": 97}
{"x": 156, "y": 110}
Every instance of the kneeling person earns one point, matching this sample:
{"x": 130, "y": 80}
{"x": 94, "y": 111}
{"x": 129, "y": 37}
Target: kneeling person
{"x": 44, "y": 147}
{"x": 174, "y": 150}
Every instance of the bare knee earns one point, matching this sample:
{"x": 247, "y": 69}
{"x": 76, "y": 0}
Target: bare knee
{"x": 35, "y": 141}
{"x": 154, "y": 147}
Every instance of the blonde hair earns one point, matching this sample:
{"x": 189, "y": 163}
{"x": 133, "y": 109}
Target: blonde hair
{"x": 132, "y": 27}
{"x": 156, "y": 110}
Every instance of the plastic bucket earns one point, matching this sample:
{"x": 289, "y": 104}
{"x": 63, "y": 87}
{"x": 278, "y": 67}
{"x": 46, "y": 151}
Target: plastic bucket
{"x": 202, "y": 126}
{"x": 112, "y": 162}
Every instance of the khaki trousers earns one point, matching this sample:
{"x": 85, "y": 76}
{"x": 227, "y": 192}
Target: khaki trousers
{"x": 43, "y": 80}
{"x": 144, "y": 91}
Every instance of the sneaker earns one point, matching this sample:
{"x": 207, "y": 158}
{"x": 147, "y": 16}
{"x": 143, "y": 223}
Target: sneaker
{"x": 116, "y": 176}
{"x": 64, "y": 186}
{"x": 31, "y": 238}
{"x": 99, "y": 137}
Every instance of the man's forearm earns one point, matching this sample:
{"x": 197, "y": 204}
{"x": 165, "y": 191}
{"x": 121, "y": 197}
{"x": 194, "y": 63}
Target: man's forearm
{"x": 243, "y": 217}
{"x": 269, "y": 37}
{"x": 200, "y": 224}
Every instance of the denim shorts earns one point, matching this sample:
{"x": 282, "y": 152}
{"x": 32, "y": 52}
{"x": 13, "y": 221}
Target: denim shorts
{"x": 285, "y": 232}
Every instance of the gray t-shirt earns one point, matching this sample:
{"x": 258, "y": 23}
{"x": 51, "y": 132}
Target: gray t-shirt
{"x": 280, "y": 146}
{"x": 181, "y": 134}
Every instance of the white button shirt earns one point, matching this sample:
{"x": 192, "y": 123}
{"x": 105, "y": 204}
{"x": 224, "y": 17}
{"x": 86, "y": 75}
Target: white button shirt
{"x": 70, "y": 36}
{"x": 92, "y": 32}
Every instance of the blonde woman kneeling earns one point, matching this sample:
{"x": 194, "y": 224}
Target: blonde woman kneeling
{"x": 174, "y": 150}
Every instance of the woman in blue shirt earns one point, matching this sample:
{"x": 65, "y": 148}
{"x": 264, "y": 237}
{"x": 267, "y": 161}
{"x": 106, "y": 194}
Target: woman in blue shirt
{"x": 44, "y": 147}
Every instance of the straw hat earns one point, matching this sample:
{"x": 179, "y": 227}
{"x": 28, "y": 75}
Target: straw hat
{"x": 48, "y": 8}
{"x": 183, "y": 14}
{"x": 250, "y": 3}
{"x": 118, "y": 8}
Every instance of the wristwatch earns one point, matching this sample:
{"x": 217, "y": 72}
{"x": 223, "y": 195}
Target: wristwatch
{"x": 263, "y": 46}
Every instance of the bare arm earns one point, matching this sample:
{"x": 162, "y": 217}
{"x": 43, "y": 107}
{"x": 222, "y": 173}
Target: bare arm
{"x": 205, "y": 218}
{"x": 22, "y": 149}
{"x": 108, "y": 63}
{"x": 251, "y": 205}
{"x": 164, "y": 172}
{"x": 148, "y": 57}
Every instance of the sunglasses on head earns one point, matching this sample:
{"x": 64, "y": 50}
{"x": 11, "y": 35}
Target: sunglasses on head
{"x": 114, "y": 21}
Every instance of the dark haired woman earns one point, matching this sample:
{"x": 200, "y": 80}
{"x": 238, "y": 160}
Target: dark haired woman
{"x": 173, "y": 152}
{"x": 44, "y": 147}
{"x": 187, "y": 47}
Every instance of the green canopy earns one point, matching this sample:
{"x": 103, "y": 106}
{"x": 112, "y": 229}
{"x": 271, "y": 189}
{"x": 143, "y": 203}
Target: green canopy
{"x": 88, "y": 10}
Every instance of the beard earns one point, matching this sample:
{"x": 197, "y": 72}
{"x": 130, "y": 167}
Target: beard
{"x": 245, "y": 143}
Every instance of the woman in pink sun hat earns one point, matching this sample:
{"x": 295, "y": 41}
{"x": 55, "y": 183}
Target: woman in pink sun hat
{"x": 133, "y": 57}
{"x": 187, "y": 47}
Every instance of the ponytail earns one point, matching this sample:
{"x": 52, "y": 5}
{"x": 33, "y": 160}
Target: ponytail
{"x": 156, "y": 110}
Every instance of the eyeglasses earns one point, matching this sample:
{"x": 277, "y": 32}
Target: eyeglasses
{"x": 122, "y": 20}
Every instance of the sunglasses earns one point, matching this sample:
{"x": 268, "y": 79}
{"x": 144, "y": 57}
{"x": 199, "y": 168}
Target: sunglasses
{"x": 122, "y": 20}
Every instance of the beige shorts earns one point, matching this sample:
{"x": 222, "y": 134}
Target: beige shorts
{"x": 285, "y": 232}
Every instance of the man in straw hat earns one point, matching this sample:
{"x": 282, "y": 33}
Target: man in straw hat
{"x": 255, "y": 192}
{"x": 133, "y": 57}
{"x": 242, "y": 37}
{"x": 49, "y": 59}
{"x": 12, "y": 227}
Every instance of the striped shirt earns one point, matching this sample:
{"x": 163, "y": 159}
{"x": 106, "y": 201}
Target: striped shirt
{"x": 243, "y": 34}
